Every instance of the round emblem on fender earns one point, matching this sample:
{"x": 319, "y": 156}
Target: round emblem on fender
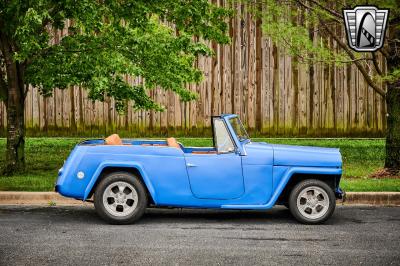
{"x": 80, "y": 175}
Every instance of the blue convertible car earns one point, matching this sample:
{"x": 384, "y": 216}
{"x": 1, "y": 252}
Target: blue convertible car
{"x": 126, "y": 176}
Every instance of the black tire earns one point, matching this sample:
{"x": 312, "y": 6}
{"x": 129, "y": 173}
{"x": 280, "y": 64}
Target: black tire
{"x": 139, "y": 188}
{"x": 310, "y": 183}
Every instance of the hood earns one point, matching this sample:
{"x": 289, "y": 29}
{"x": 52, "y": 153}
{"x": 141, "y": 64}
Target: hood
{"x": 288, "y": 155}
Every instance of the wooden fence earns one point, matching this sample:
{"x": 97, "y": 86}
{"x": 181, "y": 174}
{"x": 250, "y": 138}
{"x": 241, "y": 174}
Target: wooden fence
{"x": 274, "y": 96}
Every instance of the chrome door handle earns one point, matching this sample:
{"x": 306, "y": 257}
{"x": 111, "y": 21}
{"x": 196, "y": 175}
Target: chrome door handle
{"x": 190, "y": 165}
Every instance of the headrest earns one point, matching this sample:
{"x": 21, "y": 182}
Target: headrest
{"x": 114, "y": 139}
{"x": 173, "y": 143}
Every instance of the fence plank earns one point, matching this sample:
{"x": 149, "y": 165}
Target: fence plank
{"x": 252, "y": 77}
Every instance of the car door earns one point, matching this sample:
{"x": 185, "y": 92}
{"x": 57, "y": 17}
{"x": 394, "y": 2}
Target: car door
{"x": 218, "y": 175}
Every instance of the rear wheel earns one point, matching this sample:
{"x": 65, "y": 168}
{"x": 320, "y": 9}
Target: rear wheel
{"x": 120, "y": 198}
{"x": 312, "y": 201}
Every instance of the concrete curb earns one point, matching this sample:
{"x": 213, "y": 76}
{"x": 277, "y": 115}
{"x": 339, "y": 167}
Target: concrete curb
{"x": 373, "y": 198}
{"x": 53, "y": 198}
{"x": 37, "y": 198}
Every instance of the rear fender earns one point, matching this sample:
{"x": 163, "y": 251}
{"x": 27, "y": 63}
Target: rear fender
{"x": 131, "y": 165}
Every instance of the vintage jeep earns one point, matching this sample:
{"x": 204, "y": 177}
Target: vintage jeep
{"x": 126, "y": 176}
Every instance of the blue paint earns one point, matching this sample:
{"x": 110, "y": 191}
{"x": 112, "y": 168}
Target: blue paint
{"x": 208, "y": 173}
{"x": 252, "y": 177}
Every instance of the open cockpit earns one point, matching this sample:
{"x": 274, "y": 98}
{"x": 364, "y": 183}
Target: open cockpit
{"x": 171, "y": 142}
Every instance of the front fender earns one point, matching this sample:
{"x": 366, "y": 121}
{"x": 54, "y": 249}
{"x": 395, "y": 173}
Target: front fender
{"x": 281, "y": 176}
{"x": 122, "y": 164}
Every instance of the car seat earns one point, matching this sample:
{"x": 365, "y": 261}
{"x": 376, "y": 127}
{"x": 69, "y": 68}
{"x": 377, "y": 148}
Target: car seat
{"x": 173, "y": 143}
{"x": 114, "y": 139}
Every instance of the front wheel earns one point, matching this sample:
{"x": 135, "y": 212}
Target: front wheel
{"x": 120, "y": 198}
{"x": 312, "y": 201}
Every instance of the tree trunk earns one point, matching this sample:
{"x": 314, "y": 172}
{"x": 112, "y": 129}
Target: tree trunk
{"x": 15, "y": 154}
{"x": 392, "y": 161}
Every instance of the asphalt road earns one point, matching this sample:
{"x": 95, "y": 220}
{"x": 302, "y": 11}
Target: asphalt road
{"x": 76, "y": 236}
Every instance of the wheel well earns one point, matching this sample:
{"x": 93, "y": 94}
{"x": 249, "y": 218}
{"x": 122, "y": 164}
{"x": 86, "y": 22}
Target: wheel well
{"x": 331, "y": 180}
{"x": 132, "y": 170}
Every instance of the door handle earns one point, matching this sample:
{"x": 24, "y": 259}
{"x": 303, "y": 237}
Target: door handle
{"x": 190, "y": 165}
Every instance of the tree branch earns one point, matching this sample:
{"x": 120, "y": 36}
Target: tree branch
{"x": 384, "y": 52}
{"x": 305, "y": 59}
{"x": 357, "y": 63}
{"x": 376, "y": 65}
{"x": 330, "y": 11}
{"x": 336, "y": 15}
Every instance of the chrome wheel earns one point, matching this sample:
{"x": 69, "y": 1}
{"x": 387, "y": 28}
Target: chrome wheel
{"x": 313, "y": 202}
{"x": 120, "y": 199}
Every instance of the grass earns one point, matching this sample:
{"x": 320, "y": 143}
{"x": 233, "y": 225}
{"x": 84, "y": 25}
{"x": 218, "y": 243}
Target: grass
{"x": 44, "y": 156}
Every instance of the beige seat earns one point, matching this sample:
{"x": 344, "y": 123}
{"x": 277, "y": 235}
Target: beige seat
{"x": 173, "y": 143}
{"x": 114, "y": 139}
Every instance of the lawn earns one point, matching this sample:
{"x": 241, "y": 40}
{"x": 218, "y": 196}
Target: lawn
{"x": 44, "y": 156}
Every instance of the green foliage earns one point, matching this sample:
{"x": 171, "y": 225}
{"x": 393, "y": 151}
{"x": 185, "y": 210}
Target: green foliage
{"x": 294, "y": 24}
{"x": 393, "y": 76}
{"x": 292, "y": 28}
{"x": 109, "y": 40}
{"x": 370, "y": 184}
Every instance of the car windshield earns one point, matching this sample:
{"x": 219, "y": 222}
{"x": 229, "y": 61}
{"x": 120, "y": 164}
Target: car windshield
{"x": 238, "y": 128}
